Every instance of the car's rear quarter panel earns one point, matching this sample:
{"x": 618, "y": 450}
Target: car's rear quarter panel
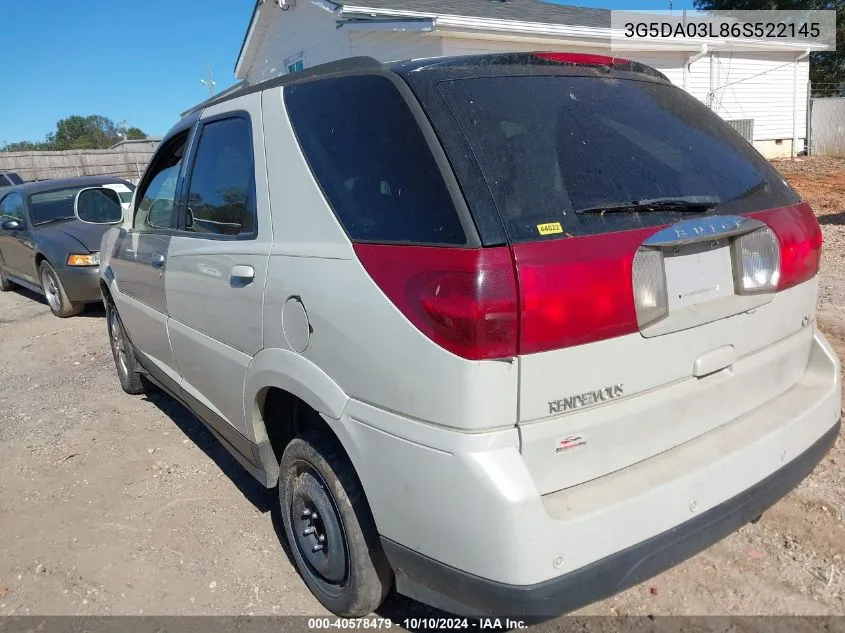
{"x": 359, "y": 337}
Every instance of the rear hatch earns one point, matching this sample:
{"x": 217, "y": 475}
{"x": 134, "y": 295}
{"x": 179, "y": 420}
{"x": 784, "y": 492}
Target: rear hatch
{"x": 665, "y": 271}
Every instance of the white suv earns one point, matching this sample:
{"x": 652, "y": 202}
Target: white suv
{"x": 510, "y": 333}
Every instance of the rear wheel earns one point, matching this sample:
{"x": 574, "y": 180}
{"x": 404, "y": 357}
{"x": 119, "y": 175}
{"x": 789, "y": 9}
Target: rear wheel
{"x": 330, "y": 529}
{"x": 124, "y": 355}
{"x": 5, "y": 284}
{"x": 55, "y": 293}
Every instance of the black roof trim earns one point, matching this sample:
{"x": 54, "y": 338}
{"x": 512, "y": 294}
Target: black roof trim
{"x": 361, "y": 64}
{"x": 348, "y": 65}
{"x": 533, "y": 58}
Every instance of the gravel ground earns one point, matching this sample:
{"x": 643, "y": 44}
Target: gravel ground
{"x": 114, "y": 504}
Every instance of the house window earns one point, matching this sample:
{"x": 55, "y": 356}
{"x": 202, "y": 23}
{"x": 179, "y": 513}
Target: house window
{"x": 295, "y": 63}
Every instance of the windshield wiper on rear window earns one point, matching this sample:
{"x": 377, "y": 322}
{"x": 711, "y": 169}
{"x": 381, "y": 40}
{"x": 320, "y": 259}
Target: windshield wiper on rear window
{"x": 691, "y": 204}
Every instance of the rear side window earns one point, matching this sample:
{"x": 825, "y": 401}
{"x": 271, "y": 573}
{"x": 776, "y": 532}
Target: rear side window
{"x": 371, "y": 160}
{"x": 221, "y": 195}
{"x": 549, "y": 146}
{"x": 12, "y": 207}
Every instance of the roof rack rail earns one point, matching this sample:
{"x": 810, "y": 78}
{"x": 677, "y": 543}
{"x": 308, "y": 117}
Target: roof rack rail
{"x": 343, "y": 65}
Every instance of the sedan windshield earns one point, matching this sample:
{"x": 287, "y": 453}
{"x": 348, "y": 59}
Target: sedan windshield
{"x": 53, "y": 206}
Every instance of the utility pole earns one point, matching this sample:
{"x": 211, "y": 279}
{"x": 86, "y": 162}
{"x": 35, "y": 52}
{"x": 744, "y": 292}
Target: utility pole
{"x": 209, "y": 82}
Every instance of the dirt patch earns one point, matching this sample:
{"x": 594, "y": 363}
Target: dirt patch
{"x": 113, "y": 504}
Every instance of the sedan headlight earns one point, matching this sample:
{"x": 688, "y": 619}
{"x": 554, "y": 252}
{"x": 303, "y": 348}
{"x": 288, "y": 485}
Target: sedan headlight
{"x": 89, "y": 259}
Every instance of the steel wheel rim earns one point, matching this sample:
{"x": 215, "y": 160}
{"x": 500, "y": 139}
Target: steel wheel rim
{"x": 331, "y": 572}
{"x": 118, "y": 343}
{"x": 51, "y": 290}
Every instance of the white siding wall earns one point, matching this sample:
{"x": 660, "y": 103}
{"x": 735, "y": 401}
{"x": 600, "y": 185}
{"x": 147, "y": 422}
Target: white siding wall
{"x": 755, "y": 86}
{"x": 471, "y": 46}
{"x": 306, "y": 28}
{"x": 388, "y": 46}
{"x": 670, "y": 64}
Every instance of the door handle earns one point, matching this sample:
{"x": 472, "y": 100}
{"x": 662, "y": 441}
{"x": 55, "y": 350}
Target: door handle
{"x": 242, "y": 274}
{"x": 157, "y": 260}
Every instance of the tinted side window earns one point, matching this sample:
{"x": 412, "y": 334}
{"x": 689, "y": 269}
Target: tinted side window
{"x": 12, "y": 207}
{"x": 158, "y": 189}
{"x": 221, "y": 196}
{"x": 371, "y": 159}
{"x": 4, "y": 181}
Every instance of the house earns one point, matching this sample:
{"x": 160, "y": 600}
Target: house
{"x": 148, "y": 145}
{"x": 760, "y": 87}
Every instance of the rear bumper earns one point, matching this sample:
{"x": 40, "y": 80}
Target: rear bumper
{"x": 82, "y": 284}
{"x": 468, "y": 501}
{"x": 451, "y": 589}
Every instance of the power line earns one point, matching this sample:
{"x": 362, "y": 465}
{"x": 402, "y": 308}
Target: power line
{"x": 770, "y": 70}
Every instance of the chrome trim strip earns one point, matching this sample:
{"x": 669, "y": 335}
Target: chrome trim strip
{"x": 702, "y": 230}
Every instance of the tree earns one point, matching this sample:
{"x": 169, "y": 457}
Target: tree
{"x": 135, "y": 134}
{"x": 79, "y": 132}
{"x": 91, "y": 132}
{"x": 827, "y": 68}
{"x": 25, "y": 146}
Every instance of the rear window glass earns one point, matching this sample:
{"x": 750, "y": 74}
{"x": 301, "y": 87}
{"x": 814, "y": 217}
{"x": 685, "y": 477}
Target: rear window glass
{"x": 372, "y": 162}
{"x": 551, "y": 145}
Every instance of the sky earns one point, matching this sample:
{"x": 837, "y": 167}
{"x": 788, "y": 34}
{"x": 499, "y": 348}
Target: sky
{"x": 139, "y": 62}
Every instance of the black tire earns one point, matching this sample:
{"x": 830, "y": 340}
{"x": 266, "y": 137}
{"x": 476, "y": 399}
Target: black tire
{"x": 350, "y": 576}
{"x": 55, "y": 293}
{"x": 123, "y": 353}
{"x": 5, "y": 284}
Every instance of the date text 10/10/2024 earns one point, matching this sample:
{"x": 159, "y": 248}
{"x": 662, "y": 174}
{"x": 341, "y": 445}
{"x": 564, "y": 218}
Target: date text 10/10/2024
{"x": 437, "y": 624}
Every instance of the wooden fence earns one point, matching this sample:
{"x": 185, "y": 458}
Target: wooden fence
{"x": 127, "y": 161}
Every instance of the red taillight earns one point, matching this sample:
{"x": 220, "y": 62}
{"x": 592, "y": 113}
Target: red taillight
{"x": 581, "y": 58}
{"x": 576, "y": 290}
{"x": 463, "y": 299}
{"x": 588, "y": 59}
{"x": 489, "y": 303}
{"x": 800, "y": 237}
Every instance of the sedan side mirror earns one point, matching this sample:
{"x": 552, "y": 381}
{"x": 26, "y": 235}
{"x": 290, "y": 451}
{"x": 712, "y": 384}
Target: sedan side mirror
{"x": 98, "y": 205}
{"x": 11, "y": 225}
